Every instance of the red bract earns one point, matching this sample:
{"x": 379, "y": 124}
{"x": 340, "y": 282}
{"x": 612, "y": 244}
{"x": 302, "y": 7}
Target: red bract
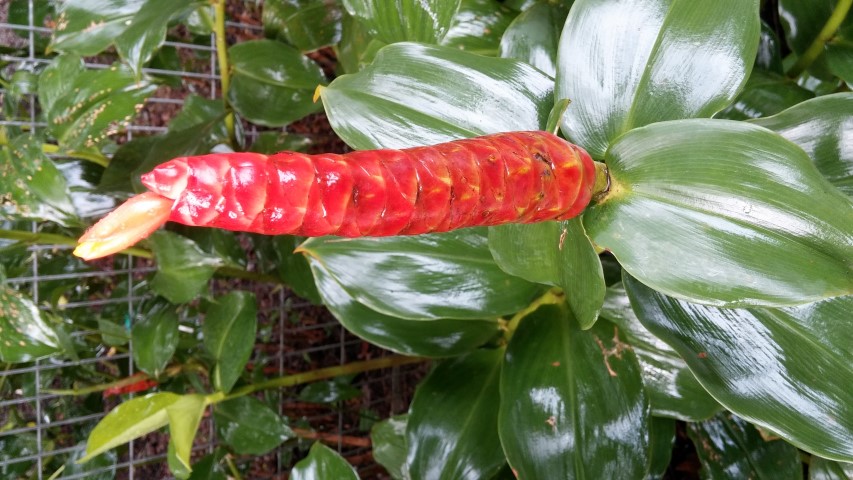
{"x": 519, "y": 177}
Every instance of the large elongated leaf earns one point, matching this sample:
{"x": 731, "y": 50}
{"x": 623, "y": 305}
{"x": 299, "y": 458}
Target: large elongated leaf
{"x": 424, "y": 21}
{"x": 823, "y": 127}
{"x": 629, "y": 63}
{"x": 184, "y": 418}
{"x": 745, "y": 214}
{"x": 553, "y": 388}
{"x": 416, "y": 94}
{"x": 478, "y": 26}
{"x": 388, "y": 439}
{"x": 249, "y": 426}
{"x": 24, "y": 334}
{"x": 534, "y": 35}
{"x": 673, "y": 390}
{"x": 96, "y": 104}
{"x": 731, "y": 448}
{"x": 183, "y": 269}
{"x": 761, "y": 363}
{"x": 87, "y": 27}
{"x": 423, "y": 277}
{"x": 556, "y": 254}
{"x": 31, "y": 186}
{"x": 823, "y": 469}
{"x": 155, "y": 338}
{"x": 229, "y": 332}
{"x": 765, "y": 93}
{"x": 452, "y": 429}
{"x": 323, "y": 463}
{"x": 272, "y": 84}
{"x": 131, "y": 419}
{"x": 305, "y": 24}
{"x": 428, "y": 338}
{"x": 146, "y": 31}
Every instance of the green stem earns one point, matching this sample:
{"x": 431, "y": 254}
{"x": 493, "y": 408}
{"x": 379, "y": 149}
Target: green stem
{"x": 602, "y": 180}
{"x": 224, "y": 68}
{"x": 816, "y": 48}
{"x": 315, "y": 375}
{"x": 54, "y": 239}
{"x": 233, "y": 468}
{"x": 552, "y": 296}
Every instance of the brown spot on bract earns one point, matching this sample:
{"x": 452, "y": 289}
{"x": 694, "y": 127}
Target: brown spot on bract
{"x": 555, "y": 364}
{"x": 702, "y": 355}
{"x": 563, "y": 235}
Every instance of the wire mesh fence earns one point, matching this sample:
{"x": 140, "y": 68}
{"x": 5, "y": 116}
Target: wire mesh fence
{"x": 42, "y": 431}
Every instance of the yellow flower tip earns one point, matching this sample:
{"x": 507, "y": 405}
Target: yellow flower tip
{"x": 317, "y": 92}
{"x": 87, "y": 250}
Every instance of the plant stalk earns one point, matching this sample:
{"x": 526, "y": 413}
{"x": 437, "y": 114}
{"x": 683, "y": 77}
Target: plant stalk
{"x": 551, "y": 297}
{"x": 224, "y": 67}
{"x": 315, "y": 375}
{"x": 827, "y": 32}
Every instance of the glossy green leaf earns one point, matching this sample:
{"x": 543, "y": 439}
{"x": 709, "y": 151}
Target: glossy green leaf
{"x": 673, "y": 390}
{"x": 357, "y": 47}
{"x": 769, "y": 55}
{"x": 428, "y": 338}
{"x": 823, "y": 469}
{"x": 274, "y": 142}
{"x": 31, "y": 186}
{"x": 323, "y": 463}
{"x": 183, "y": 269}
{"x": 452, "y": 429}
{"x": 823, "y": 127}
{"x": 578, "y": 392}
{"x": 729, "y": 447}
{"x": 146, "y": 31}
{"x": 305, "y": 24}
{"x": 554, "y": 253}
{"x": 764, "y": 94}
{"x": 102, "y": 467}
{"x": 661, "y": 440}
{"x": 24, "y": 333}
{"x": 629, "y": 63}
{"x": 424, "y": 21}
{"x": 155, "y": 339}
{"x": 97, "y": 104}
{"x": 420, "y": 95}
{"x": 534, "y": 36}
{"x": 87, "y": 27}
{"x": 56, "y": 79}
{"x": 132, "y": 419}
{"x": 423, "y": 277}
{"x": 388, "y": 439}
{"x": 748, "y": 218}
{"x": 272, "y": 84}
{"x": 249, "y": 426}
{"x": 202, "y": 111}
{"x": 478, "y": 26}
{"x": 294, "y": 268}
{"x": 229, "y": 329}
{"x": 761, "y": 363}
{"x": 208, "y": 468}
{"x": 184, "y": 418}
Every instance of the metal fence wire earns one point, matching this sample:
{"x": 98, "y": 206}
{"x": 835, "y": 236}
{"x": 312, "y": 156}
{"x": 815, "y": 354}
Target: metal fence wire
{"x": 40, "y": 432}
